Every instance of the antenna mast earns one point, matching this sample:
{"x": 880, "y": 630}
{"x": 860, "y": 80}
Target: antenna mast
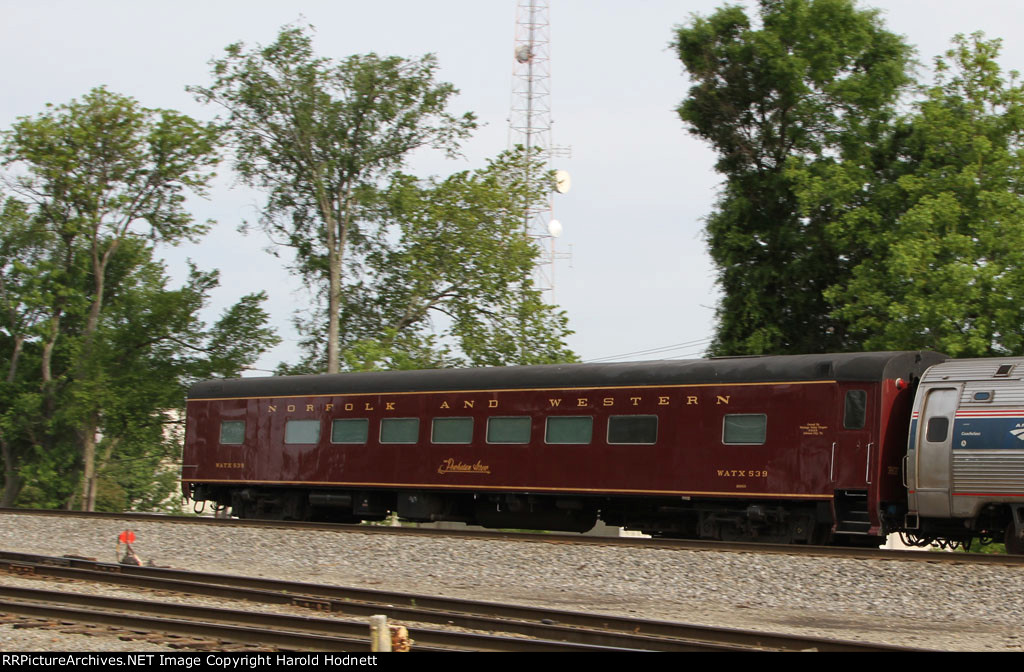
{"x": 530, "y": 126}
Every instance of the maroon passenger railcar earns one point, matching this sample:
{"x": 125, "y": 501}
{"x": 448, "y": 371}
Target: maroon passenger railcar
{"x": 802, "y": 448}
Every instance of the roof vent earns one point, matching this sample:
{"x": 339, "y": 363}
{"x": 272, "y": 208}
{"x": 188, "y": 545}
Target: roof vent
{"x": 1004, "y": 370}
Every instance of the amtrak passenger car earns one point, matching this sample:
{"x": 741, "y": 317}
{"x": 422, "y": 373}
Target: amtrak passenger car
{"x": 965, "y": 458}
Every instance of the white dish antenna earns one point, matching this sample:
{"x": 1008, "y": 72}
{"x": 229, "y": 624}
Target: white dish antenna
{"x": 562, "y": 181}
{"x": 555, "y": 228}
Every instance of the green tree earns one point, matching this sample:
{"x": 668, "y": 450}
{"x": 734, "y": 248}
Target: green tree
{"x": 100, "y": 181}
{"x": 149, "y": 345}
{"x": 818, "y": 79}
{"x": 23, "y": 247}
{"x": 319, "y": 135}
{"x": 446, "y": 277}
{"x": 938, "y": 216}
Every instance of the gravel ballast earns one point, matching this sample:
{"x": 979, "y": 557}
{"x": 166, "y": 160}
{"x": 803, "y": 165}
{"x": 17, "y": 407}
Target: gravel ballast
{"x": 941, "y": 606}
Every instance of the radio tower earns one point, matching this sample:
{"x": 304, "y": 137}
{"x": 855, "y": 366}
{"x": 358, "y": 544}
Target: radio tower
{"x": 530, "y": 127}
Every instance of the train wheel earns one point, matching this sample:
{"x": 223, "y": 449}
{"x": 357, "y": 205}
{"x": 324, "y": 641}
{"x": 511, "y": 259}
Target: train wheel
{"x": 1014, "y": 546}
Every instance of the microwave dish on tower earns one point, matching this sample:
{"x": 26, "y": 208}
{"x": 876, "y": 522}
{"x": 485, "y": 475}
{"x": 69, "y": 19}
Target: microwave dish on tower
{"x": 562, "y": 181}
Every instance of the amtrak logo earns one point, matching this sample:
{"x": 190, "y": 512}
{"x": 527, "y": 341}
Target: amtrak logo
{"x": 1019, "y": 433}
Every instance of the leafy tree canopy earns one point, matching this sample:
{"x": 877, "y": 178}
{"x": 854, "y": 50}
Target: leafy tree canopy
{"x": 97, "y": 348}
{"x": 938, "y": 216}
{"x": 445, "y": 278}
{"x": 816, "y": 79}
{"x": 408, "y": 273}
{"x": 318, "y": 135}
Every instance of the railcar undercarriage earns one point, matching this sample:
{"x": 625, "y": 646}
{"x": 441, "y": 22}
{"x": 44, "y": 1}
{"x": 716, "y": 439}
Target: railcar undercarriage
{"x": 764, "y": 521}
{"x": 994, "y": 524}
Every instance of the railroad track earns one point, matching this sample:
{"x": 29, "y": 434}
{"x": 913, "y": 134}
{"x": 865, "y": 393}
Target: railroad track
{"x": 482, "y": 626}
{"x": 555, "y": 538}
{"x": 268, "y": 631}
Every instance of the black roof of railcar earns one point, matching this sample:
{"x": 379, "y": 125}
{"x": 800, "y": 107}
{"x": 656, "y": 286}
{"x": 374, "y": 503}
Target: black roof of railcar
{"x": 866, "y": 366}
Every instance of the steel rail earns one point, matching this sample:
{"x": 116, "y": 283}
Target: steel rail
{"x": 550, "y": 624}
{"x": 546, "y": 631}
{"x": 248, "y": 627}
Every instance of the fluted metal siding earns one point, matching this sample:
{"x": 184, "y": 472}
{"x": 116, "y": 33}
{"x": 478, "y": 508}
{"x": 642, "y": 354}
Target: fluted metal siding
{"x": 1005, "y": 394}
{"x": 988, "y": 471}
{"x": 964, "y": 370}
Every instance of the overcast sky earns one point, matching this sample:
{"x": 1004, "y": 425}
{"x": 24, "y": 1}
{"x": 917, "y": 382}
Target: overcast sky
{"x": 639, "y": 276}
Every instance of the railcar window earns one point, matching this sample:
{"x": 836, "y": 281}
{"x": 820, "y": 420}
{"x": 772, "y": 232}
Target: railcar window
{"x": 509, "y": 430}
{"x": 569, "y": 429}
{"x": 452, "y": 430}
{"x": 938, "y": 428}
{"x": 302, "y": 431}
{"x": 633, "y": 429}
{"x": 399, "y": 430}
{"x": 350, "y": 430}
{"x": 232, "y": 431}
{"x": 745, "y": 428}
{"x": 856, "y": 409}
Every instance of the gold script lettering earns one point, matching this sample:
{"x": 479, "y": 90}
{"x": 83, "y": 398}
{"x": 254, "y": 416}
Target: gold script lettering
{"x": 451, "y": 465}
